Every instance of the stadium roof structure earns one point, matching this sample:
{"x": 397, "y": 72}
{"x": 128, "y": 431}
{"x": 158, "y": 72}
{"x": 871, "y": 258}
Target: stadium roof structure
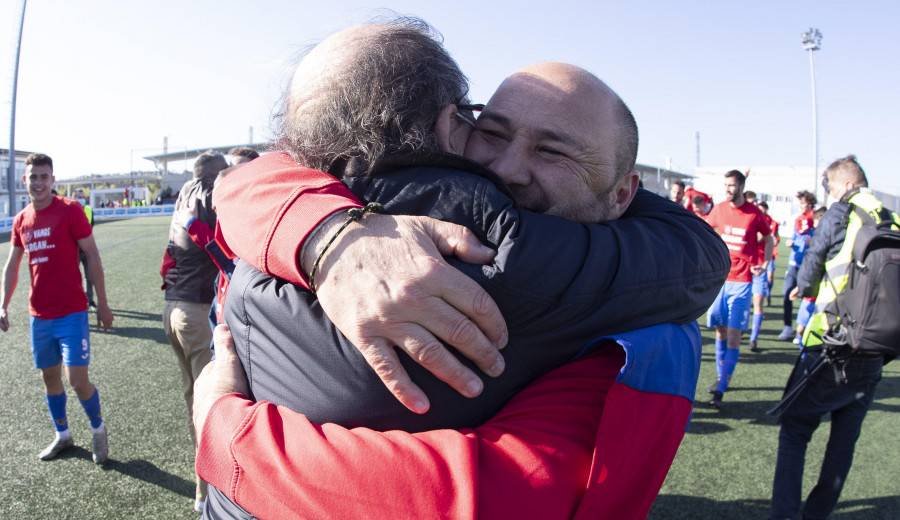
{"x": 161, "y": 160}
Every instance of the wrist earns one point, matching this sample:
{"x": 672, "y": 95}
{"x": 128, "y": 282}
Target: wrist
{"x": 315, "y": 243}
{"x": 189, "y": 222}
{"x": 353, "y": 215}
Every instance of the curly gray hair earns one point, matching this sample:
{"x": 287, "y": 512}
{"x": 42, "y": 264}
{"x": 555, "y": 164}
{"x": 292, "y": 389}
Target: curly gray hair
{"x": 380, "y": 98}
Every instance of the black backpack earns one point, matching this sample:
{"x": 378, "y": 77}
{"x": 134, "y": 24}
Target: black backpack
{"x": 867, "y": 311}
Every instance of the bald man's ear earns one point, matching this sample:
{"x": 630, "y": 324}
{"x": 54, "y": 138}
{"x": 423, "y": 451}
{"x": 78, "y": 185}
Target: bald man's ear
{"x": 624, "y": 194}
{"x": 452, "y": 131}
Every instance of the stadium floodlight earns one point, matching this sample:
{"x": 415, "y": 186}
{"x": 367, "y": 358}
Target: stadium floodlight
{"x": 812, "y": 41}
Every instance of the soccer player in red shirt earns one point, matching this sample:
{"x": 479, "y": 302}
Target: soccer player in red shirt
{"x": 740, "y": 225}
{"x": 52, "y": 229}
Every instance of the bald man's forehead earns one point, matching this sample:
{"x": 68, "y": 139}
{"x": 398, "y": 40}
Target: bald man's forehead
{"x": 568, "y": 111}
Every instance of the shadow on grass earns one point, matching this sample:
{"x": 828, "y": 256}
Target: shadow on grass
{"x": 149, "y": 473}
{"x": 752, "y": 411}
{"x": 672, "y": 507}
{"x": 137, "y": 469}
{"x": 136, "y": 315}
{"x": 148, "y": 333}
{"x": 153, "y": 333}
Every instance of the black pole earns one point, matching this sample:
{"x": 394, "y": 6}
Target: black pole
{"x": 11, "y": 175}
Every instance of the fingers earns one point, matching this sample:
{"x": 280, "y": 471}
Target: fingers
{"x": 104, "y": 317}
{"x": 231, "y": 375}
{"x": 452, "y": 315}
{"x": 455, "y": 240}
{"x": 471, "y": 322}
{"x": 223, "y": 342}
{"x": 465, "y": 295}
{"x": 384, "y": 361}
{"x": 426, "y": 350}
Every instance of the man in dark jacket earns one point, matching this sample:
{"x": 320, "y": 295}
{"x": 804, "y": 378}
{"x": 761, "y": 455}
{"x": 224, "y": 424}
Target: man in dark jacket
{"x": 190, "y": 292}
{"x": 845, "y": 390}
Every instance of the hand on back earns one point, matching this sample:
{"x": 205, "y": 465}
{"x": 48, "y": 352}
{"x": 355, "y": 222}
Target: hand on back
{"x": 384, "y": 283}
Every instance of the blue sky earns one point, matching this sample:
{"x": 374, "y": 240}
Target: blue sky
{"x": 101, "y": 82}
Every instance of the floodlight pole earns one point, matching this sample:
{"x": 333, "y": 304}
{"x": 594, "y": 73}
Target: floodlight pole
{"x": 812, "y": 41}
{"x": 11, "y": 173}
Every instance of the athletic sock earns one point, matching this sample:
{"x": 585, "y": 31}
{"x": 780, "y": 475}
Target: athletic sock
{"x": 721, "y": 347}
{"x": 57, "y": 406}
{"x": 63, "y": 435}
{"x": 92, "y": 408}
{"x": 757, "y": 322}
{"x": 730, "y": 361}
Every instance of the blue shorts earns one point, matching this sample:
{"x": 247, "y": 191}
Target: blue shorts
{"x": 63, "y": 339}
{"x": 805, "y": 313}
{"x": 761, "y": 284}
{"x": 732, "y": 307}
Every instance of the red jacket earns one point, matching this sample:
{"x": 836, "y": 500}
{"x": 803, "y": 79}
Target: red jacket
{"x": 571, "y": 445}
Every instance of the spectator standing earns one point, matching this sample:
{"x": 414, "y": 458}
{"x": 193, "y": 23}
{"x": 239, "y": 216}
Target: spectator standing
{"x": 52, "y": 229}
{"x": 89, "y": 213}
{"x": 845, "y": 391}
{"x": 799, "y": 243}
{"x": 190, "y": 288}
{"x": 807, "y": 305}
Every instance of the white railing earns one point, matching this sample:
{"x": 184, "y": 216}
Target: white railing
{"x": 111, "y": 213}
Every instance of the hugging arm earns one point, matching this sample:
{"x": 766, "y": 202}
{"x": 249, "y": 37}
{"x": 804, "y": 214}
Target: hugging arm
{"x": 269, "y": 207}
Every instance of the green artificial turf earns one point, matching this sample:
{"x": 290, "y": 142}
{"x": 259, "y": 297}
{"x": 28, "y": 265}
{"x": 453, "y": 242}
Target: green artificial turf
{"x": 723, "y": 470}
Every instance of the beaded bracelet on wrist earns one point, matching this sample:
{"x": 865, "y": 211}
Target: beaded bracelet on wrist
{"x": 353, "y": 215}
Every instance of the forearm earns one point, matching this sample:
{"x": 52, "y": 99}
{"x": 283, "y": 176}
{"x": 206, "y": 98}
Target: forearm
{"x": 95, "y": 268}
{"x": 200, "y": 232}
{"x": 769, "y": 250}
{"x": 10, "y": 279}
{"x": 267, "y": 208}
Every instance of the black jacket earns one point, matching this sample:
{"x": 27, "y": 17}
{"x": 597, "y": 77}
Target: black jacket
{"x": 559, "y": 284}
{"x": 195, "y": 281}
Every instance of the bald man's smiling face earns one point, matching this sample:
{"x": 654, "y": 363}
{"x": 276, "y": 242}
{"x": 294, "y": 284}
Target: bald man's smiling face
{"x": 552, "y": 138}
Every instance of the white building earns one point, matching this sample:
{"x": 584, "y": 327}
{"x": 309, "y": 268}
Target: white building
{"x": 21, "y": 193}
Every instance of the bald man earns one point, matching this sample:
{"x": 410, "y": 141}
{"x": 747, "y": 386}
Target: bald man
{"x": 592, "y": 182}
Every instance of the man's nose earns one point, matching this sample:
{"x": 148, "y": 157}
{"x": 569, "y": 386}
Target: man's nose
{"x": 512, "y": 165}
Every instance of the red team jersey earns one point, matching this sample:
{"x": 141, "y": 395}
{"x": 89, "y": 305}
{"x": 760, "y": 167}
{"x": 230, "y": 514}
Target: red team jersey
{"x": 773, "y": 225}
{"x": 738, "y": 227}
{"x": 804, "y": 222}
{"x": 50, "y": 239}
